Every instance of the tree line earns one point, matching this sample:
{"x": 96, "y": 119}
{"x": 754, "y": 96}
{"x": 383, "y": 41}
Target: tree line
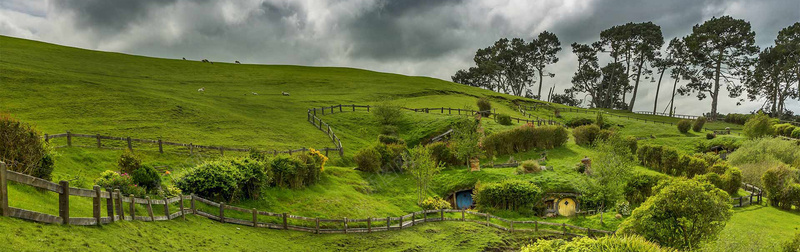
{"x": 720, "y": 52}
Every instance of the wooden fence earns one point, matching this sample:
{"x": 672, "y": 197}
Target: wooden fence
{"x": 754, "y": 191}
{"x": 222, "y": 212}
{"x": 190, "y": 146}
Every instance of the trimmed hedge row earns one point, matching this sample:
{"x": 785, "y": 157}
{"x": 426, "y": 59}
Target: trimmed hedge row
{"x": 701, "y": 166}
{"x": 737, "y": 118}
{"x": 787, "y": 130}
{"x": 508, "y": 194}
{"x": 524, "y": 138}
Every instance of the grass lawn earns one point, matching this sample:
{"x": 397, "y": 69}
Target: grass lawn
{"x": 757, "y": 228}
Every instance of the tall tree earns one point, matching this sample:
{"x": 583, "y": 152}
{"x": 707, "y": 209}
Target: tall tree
{"x": 678, "y": 57}
{"x": 721, "y": 49}
{"x": 615, "y": 41}
{"x": 614, "y": 82}
{"x": 543, "y": 52}
{"x": 502, "y": 67}
{"x": 770, "y": 80}
{"x": 587, "y": 78}
{"x": 646, "y": 41}
{"x": 660, "y": 64}
{"x": 788, "y": 42}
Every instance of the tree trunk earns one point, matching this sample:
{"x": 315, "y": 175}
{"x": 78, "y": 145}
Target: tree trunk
{"x": 658, "y": 89}
{"x": 540, "y": 85}
{"x": 672, "y": 101}
{"x": 715, "y": 94}
{"x": 636, "y": 86}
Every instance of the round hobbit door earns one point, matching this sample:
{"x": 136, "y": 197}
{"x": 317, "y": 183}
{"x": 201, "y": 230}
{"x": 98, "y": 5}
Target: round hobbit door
{"x": 566, "y": 207}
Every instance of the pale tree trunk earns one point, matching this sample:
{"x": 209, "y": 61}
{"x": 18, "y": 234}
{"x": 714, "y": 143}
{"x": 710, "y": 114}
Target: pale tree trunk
{"x": 672, "y": 100}
{"x": 636, "y": 86}
{"x": 715, "y": 94}
{"x": 540, "y": 85}
{"x": 658, "y": 89}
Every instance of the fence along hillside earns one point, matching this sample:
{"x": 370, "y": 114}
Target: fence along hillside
{"x": 116, "y": 210}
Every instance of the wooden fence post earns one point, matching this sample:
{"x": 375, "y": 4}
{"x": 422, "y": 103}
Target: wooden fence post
{"x": 160, "y": 147}
{"x": 150, "y": 208}
{"x": 3, "y": 190}
{"x": 413, "y": 218}
{"x": 340, "y": 107}
{"x": 98, "y": 141}
{"x": 401, "y": 222}
{"x": 191, "y": 148}
{"x": 110, "y": 205}
{"x": 536, "y": 226}
{"x": 255, "y": 217}
{"x": 69, "y": 138}
{"x": 222, "y": 212}
{"x": 130, "y": 146}
{"x": 369, "y": 225}
{"x": 354, "y": 107}
{"x": 63, "y": 202}
{"x": 388, "y": 222}
{"x": 463, "y": 218}
{"x": 316, "y": 227}
{"x": 487, "y": 220}
{"x": 441, "y": 211}
{"x": 511, "y": 229}
{"x": 564, "y": 227}
{"x": 47, "y": 137}
{"x": 133, "y": 207}
{"x": 424, "y": 216}
{"x": 96, "y": 204}
{"x": 166, "y": 209}
{"x": 120, "y": 211}
{"x": 192, "y": 206}
{"x": 345, "y": 225}
{"x": 285, "y": 222}
{"x": 740, "y": 201}
{"x": 367, "y": 108}
{"x": 180, "y": 203}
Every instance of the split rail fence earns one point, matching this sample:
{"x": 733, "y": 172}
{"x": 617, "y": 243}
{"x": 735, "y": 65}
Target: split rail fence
{"x": 116, "y": 211}
{"x": 755, "y": 196}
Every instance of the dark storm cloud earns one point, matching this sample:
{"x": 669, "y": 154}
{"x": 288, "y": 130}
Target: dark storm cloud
{"x": 109, "y": 15}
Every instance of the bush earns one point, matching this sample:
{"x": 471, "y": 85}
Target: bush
{"x": 793, "y": 245}
{"x": 529, "y": 166}
{"x": 787, "y": 132}
{"x": 390, "y": 155}
{"x": 710, "y": 136}
{"x": 368, "y": 160}
{"x": 684, "y": 125}
{"x": 111, "y": 180}
{"x": 508, "y": 194}
{"x": 387, "y": 139}
{"x": 443, "y": 154}
{"x": 623, "y": 207}
{"x": 600, "y": 121}
{"x": 387, "y": 114}
{"x": 631, "y": 142}
{"x": 389, "y": 130}
{"x": 147, "y": 177}
{"x": 796, "y": 133}
{"x": 640, "y": 186}
{"x": 586, "y": 135}
{"x": 170, "y": 191}
{"x": 730, "y": 181}
{"x": 778, "y": 184}
{"x": 503, "y": 119}
{"x": 485, "y": 106}
{"x": 765, "y": 149}
{"x": 737, "y": 118}
{"x": 663, "y": 217}
{"x": 698, "y": 124}
{"x": 629, "y": 243}
{"x": 434, "y": 203}
{"x": 227, "y": 179}
{"x": 759, "y": 126}
{"x": 524, "y": 138}
{"x": 22, "y": 148}
{"x": 128, "y": 162}
{"x": 45, "y": 168}
{"x": 577, "y": 122}
{"x": 729, "y": 143}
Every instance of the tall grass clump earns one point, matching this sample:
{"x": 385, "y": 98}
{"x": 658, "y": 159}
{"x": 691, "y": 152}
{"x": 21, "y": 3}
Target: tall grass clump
{"x": 22, "y": 148}
{"x": 503, "y": 119}
{"x": 766, "y": 150}
{"x": 524, "y": 138}
{"x": 387, "y": 114}
{"x": 759, "y": 126}
{"x": 684, "y": 126}
{"x": 586, "y": 135}
{"x": 698, "y": 124}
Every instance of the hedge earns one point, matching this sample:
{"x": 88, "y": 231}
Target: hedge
{"x": 508, "y": 194}
{"x": 524, "y": 138}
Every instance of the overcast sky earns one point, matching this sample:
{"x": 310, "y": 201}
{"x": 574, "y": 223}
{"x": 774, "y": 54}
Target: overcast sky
{"x": 412, "y": 37}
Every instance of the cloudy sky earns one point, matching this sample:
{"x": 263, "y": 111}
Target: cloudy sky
{"x": 413, "y": 37}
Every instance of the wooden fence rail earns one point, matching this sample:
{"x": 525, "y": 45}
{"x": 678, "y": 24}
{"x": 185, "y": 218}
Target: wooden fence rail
{"x": 116, "y": 211}
{"x": 756, "y": 194}
{"x": 190, "y": 146}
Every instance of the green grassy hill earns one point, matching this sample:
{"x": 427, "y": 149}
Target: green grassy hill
{"x": 60, "y": 88}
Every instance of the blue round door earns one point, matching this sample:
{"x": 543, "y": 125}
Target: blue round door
{"x": 464, "y": 199}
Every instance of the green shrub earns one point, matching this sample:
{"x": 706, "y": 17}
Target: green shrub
{"x": 389, "y": 130}
{"x": 45, "y": 168}
{"x": 792, "y": 245}
{"x": 22, "y": 148}
{"x": 368, "y": 160}
{"x": 485, "y": 106}
{"x": 443, "y": 154}
{"x": 684, "y": 125}
{"x": 576, "y": 122}
{"x": 796, "y": 133}
{"x": 631, "y": 142}
{"x": 128, "y": 162}
{"x": 390, "y": 154}
{"x": 434, "y": 203}
{"x": 147, "y": 177}
{"x": 737, "y": 118}
{"x": 692, "y": 166}
{"x": 230, "y": 179}
{"x": 765, "y": 149}
{"x": 284, "y": 170}
{"x": 524, "y": 138}
{"x": 759, "y": 126}
{"x": 778, "y": 184}
{"x": 387, "y": 114}
{"x": 600, "y": 121}
{"x": 640, "y": 186}
{"x": 710, "y": 136}
{"x": 170, "y": 191}
{"x": 387, "y": 139}
{"x": 111, "y": 180}
{"x": 730, "y": 181}
{"x": 503, "y": 119}
{"x": 663, "y": 217}
{"x": 729, "y": 143}
{"x": 778, "y": 128}
{"x": 529, "y": 166}
{"x": 671, "y": 161}
{"x": 586, "y": 135}
{"x": 787, "y": 132}
{"x": 698, "y": 124}
{"x": 623, "y": 207}
{"x": 629, "y": 243}
{"x": 508, "y": 194}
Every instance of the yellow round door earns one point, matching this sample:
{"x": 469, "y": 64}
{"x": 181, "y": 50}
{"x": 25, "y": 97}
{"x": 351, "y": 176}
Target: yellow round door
{"x": 566, "y": 207}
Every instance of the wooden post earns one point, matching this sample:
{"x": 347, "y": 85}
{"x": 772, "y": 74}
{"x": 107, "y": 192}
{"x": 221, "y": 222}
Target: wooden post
{"x": 255, "y": 217}
{"x": 110, "y": 205}
{"x": 441, "y": 211}
{"x": 340, "y": 107}
{"x": 345, "y": 225}
{"x": 536, "y": 226}
{"x": 285, "y": 222}
{"x": 222, "y": 212}
{"x": 46, "y": 137}
{"x": 120, "y": 211}
{"x": 369, "y": 225}
{"x": 512, "y": 226}
{"x": 326, "y": 152}
{"x": 367, "y": 108}
{"x": 221, "y": 151}
{"x": 160, "y": 147}
{"x": 192, "y": 206}
{"x": 98, "y": 141}
{"x": 463, "y": 218}
{"x": 413, "y": 218}
{"x": 316, "y": 227}
{"x": 150, "y": 208}
{"x": 133, "y": 207}
{"x": 589, "y": 232}
{"x": 331, "y": 109}
{"x": 166, "y": 209}
{"x": 180, "y": 204}
{"x": 69, "y": 138}
{"x": 354, "y": 107}
{"x": 388, "y": 222}
{"x": 323, "y": 111}
{"x": 424, "y": 216}
{"x": 740, "y": 201}
{"x": 449, "y": 111}
{"x": 401, "y": 222}
{"x": 3, "y": 190}
{"x": 63, "y": 202}
{"x": 96, "y": 204}
{"x": 191, "y": 148}
{"x": 130, "y": 146}
{"x": 315, "y": 111}
{"x": 564, "y": 227}
{"x": 487, "y": 220}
